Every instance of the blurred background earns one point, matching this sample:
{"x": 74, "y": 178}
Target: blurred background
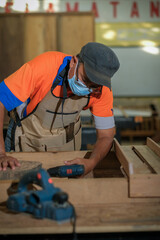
{"x": 131, "y": 28}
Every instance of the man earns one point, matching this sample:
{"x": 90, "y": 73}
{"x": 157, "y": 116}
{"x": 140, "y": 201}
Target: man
{"x": 45, "y": 98}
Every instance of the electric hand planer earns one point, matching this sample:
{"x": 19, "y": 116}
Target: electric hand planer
{"x": 50, "y": 202}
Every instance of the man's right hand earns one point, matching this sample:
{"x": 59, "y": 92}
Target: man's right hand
{"x": 7, "y": 161}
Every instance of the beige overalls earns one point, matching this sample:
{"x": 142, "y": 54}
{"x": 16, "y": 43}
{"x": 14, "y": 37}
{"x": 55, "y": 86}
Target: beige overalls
{"x": 49, "y": 128}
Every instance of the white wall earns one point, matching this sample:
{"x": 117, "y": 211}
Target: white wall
{"x": 139, "y": 73}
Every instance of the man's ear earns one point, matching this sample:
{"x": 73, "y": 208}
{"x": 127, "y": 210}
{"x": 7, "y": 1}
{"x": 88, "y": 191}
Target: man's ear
{"x": 74, "y": 60}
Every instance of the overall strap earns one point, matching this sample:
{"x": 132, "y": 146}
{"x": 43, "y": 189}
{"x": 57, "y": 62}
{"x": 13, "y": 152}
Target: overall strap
{"x": 61, "y": 78}
{"x": 65, "y": 82}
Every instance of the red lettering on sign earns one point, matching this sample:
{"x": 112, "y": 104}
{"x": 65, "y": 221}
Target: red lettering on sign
{"x": 154, "y": 9}
{"x": 50, "y": 8}
{"x": 75, "y": 8}
{"x": 114, "y": 4}
{"x": 134, "y": 11}
{"x": 7, "y": 7}
{"x": 95, "y": 9}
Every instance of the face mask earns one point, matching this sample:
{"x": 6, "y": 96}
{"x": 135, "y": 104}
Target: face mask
{"x": 77, "y": 87}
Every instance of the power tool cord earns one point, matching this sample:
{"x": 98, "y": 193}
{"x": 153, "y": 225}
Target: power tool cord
{"x": 73, "y": 219}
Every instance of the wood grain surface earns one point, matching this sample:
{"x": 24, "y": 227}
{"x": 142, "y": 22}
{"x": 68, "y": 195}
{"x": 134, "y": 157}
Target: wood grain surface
{"x": 18, "y": 172}
{"x": 96, "y": 218}
{"x": 102, "y": 204}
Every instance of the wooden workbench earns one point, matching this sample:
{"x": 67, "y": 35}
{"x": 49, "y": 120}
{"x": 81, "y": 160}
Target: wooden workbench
{"x": 102, "y": 203}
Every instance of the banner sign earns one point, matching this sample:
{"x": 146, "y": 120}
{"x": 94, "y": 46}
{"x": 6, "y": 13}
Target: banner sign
{"x": 105, "y": 10}
{"x": 117, "y": 23}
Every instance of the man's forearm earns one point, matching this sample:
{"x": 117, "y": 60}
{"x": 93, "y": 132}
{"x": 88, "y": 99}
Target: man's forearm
{"x": 101, "y": 148}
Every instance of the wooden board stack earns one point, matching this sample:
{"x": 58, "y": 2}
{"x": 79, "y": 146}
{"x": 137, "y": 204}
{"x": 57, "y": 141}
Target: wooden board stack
{"x": 142, "y": 167}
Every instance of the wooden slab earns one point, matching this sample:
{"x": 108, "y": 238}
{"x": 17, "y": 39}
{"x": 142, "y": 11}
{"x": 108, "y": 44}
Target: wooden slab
{"x": 142, "y": 166}
{"x": 153, "y": 146}
{"x": 18, "y": 172}
{"x": 49, "y": 159}
{"x": 47, "y": 31}
{"x": 144, "y": 186}
{"x": 102, "y": 204}
{"x": 125, "y": 162}
{"x": 82, "y": 190}
{"x": 97, "y": 218}
{"x": 151, "y": 159}
{"x": 81, "y": 26}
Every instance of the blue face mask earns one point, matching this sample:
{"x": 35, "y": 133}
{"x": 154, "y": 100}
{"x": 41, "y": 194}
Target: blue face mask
{"x": 77, "y": 87}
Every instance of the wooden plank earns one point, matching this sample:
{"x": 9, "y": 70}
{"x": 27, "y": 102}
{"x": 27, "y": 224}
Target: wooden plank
{"x": 42, "y": 28}
{"x": 138, "y": 167}
{"x": 17, "y": 173}
{"x": 126, "y": 163}
{"x": 104, "y": 200}
{"x": 11, "y": 44}
{"x": 142, "y": 181}
{"x": 150, "y": 158}
{"x": 38, "y": 33}
{"x": 74, "y": 31}
{"x": 105, "y": 218}
{"x": 49, "y": 159}
{"x": 88, "y": 190}
{"x": 153, "y": 146}
{"x": 83, "y": 190}
{"x": 80, "y": 190}
{"x": 144, "y": 186}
